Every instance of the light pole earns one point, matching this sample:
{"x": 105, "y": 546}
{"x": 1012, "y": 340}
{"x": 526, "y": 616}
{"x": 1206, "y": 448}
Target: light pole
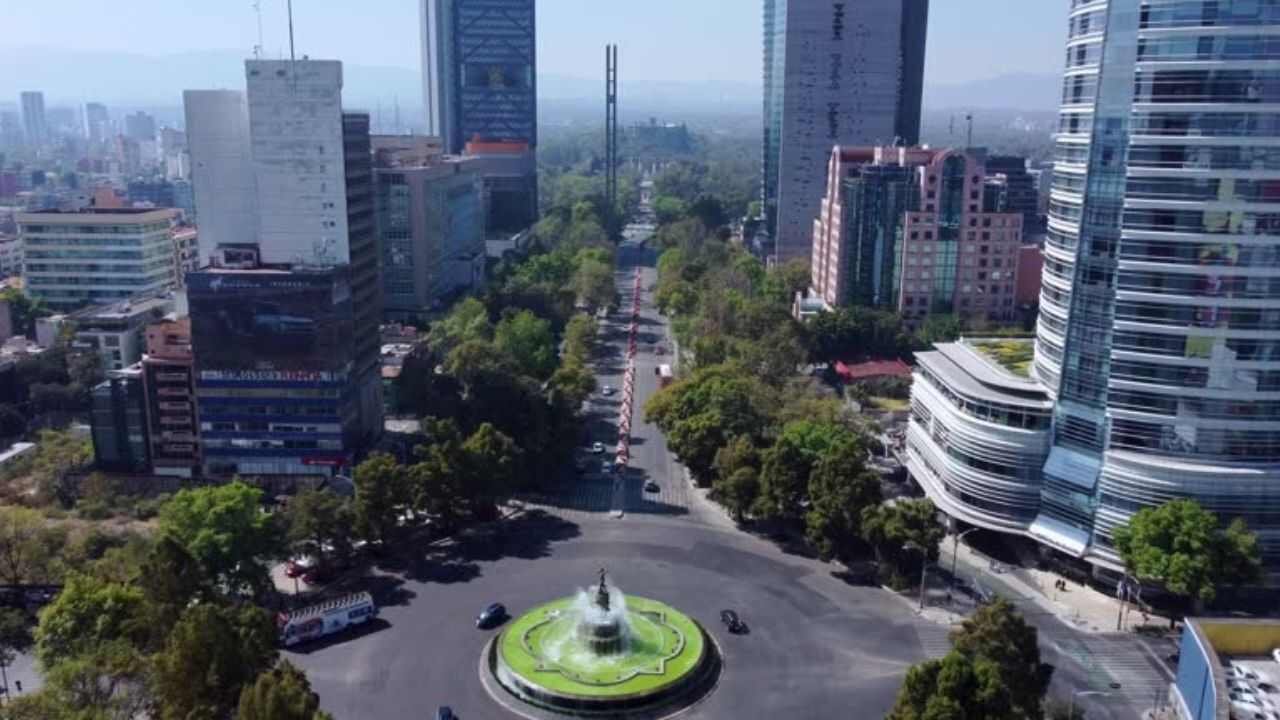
{"x": 924, "y": 568}
{"x": 955, "y": 552}
{"x": 1071, "y": 707}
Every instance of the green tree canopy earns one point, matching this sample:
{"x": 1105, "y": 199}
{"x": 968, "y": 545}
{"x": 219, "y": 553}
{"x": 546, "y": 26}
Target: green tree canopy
{"x": 841, "y": 487}
{"x": 226, "y": 530}
{"x": 467, "y": 321}
{"x": 381, "y": 493}
{"x": 212, "y": 654}
{"x": 281, "y": 693}
{"x": 899, "y": 532}
{"x": 1185, "y": 548}
{"x": 89, "y": 612}
{"x": 957, "y": 687}
{"x": 784, "y": 479}
{"x": 529, "y": 342}
{"x": 997, "y": 633}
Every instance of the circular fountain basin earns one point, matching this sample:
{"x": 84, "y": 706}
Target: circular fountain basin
{"x": 665, "y": 659}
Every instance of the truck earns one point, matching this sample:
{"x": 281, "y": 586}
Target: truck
{"x": 665, "y": 376}
{"x": 326, "y": 618}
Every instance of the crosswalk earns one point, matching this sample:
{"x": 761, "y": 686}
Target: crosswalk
{"x": 1118, "y": 665}
{"x": 935, "y": 639}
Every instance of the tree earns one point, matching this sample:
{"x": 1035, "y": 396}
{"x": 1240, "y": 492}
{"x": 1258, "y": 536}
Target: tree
{"x": 1185, "y": 548}
{"x": 997, "y": 633}
{"x": 701, "y": 413}
{"x": 281, "y": 693}
{"x": 739, "y": 492}
{"x": 171, "y": 579}
{"x": 24, "y": 311}
{"x": 226, "y": 530}
{"x": 12, "y": 422}
{"x": 23, "y": 551}
{"x": 318, "y": 519}
{"x": 107, "y": 681}
{"x": 381, "y": 491}
{"x": 956, "y": 687}
{"x": 709, "y": 210}
{"x": 467, "y": 321}
{"x": 15, "y": 635}
{"x": 58, "y": 453}
{"x": 840, "y": 488}
{"x": 900, "y": 532}
{"x": 784, "y": 479}
{"x": 593, "y": 284}
{"x": 574, "y": 380}
{"x": 668, "y": 209}
{"x": 89, "y": 612}
{"x": 490, "y": 467}
{"x": 528, "y": 341}
{"x": 580, "y": 338}
{"x": 939, "y": 328}
{"x": 213, "y": 652}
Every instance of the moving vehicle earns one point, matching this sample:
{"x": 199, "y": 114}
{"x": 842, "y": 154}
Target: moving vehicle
{"x": 665, "y": 375}
{"x": 607, "y": 390}
{"x": 445, "y": 713}
{"x": 732, "y": 622}
{"x": 652, "y": 487}
{"x": 491, "y": 616}
{"x": 597, "y": 448}
{"x": 325, "y": 618}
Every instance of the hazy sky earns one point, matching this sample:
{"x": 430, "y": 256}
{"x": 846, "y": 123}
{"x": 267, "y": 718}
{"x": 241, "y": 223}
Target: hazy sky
{"x": 659, "y": 39}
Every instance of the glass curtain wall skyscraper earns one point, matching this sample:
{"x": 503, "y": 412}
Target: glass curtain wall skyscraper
{"x": 835, "y": 73}
{"x": 1156, "y": 371}
{"x": 1159, "y": 332}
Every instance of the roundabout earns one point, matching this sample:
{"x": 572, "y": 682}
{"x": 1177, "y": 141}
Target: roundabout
{"x": 604, "y": 653}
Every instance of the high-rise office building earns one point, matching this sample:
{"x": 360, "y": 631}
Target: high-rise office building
{"x": 431, "y": 219}
{"x": 302, "y": 291}
{"x": 835, "y": 73}
{"x": 1160, "y": 307}
{"x": 222, "y": 178}
{"x": 140, "y": 126}
{"x": 479, "y": 74}
{"x": 34, "y": 122}
{"x": 479, "y": 71}
{"x": 909, "y": 229}
{"x": 97, "y": 123}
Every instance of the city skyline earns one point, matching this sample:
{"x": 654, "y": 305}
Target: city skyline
{"x": 723, "y": 45}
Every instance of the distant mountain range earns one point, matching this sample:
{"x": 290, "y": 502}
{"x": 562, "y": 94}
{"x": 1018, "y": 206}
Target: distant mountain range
{"x": 131, "y": 80}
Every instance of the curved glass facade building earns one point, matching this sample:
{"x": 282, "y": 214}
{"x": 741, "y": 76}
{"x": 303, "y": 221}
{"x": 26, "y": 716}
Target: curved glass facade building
{"x": 1158, "y": 339}
{"x": 1159, "y": 332}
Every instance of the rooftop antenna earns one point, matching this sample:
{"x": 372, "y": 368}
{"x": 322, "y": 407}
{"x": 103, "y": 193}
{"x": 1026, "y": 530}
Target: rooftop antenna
{"x": 257, "y": 10}
{"x": 290, "y": 7}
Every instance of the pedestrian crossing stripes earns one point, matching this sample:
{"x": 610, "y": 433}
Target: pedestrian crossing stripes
{"x": 935, "y": 640}
{"x": 1122, "y": 658}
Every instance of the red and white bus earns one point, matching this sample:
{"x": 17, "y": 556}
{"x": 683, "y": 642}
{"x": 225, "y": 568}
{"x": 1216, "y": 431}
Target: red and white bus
{"x": 325, "y": 618}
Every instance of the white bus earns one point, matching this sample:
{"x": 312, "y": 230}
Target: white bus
{"x": 325, "y": 618}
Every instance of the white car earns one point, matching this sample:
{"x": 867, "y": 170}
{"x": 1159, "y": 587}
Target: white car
{"x": 1276, "y": 654}
{"x": 607, "y": 390}
{"x": 597, "y": 448}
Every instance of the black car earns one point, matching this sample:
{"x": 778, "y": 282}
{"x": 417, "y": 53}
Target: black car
{"x": 445, "y": 713}
{"x": 732, "y": 622}
{"x": 651, "y": 486}
{"x": 491, "y": 616}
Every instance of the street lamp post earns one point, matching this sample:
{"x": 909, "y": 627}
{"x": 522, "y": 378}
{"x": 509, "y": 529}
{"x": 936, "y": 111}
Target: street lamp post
{"x": 955, "y": 553}
{"x": 1071, "y": 707}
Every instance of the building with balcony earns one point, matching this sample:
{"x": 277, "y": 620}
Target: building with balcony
{"x": 95, "y": 256}
{"x": 1158, "y": 338}
{"x": 910, "y": 229}
{"x": 168, "y": 379}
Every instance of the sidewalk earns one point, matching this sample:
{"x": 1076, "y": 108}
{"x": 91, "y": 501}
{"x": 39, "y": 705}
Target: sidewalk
{"x": 1080, "y": 606}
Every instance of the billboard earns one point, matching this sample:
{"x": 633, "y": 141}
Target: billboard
{"x": 273, "y": 324}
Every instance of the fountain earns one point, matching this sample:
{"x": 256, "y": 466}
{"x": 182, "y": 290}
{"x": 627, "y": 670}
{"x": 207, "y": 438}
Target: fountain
{"x": 603, "y": 653}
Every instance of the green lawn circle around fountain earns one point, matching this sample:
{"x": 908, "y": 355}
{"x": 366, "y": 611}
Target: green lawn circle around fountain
{"x": 665, "y": 648}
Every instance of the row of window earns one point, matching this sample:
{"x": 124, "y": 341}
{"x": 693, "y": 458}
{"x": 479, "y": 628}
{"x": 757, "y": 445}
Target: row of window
{"x": 1206, "y": 286}
{"x": 1260, "y": 446}
{"x": 1207, "y": 13}
{"x": 1198, "y": 316}
{"x": 1195, "y": 346}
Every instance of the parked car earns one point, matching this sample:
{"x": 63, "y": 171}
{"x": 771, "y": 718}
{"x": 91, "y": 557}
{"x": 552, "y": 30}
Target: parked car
{"x": 445, "y": 713}
{"x": 652, "y": 487}
{"x": 491, "y": 616}
{"x": 1276, "y": 654}
{"x": 732, "y": 622}
{"x": 607, "y": 390}
{"x": 597, "y": 448}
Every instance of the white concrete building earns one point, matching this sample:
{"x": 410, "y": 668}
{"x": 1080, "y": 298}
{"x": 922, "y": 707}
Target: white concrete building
{"x": 296, "y": 136}
{"x": 222, "y": 176}
{"x": 97, "y": 256}
{"x": 10, "y": 255}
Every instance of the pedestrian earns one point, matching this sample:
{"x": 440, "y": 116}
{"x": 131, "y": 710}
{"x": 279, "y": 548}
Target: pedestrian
{"x": 18, "y": 684}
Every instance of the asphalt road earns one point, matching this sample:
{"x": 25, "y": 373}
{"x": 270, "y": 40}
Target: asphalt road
{"x": 817, "y": 646}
